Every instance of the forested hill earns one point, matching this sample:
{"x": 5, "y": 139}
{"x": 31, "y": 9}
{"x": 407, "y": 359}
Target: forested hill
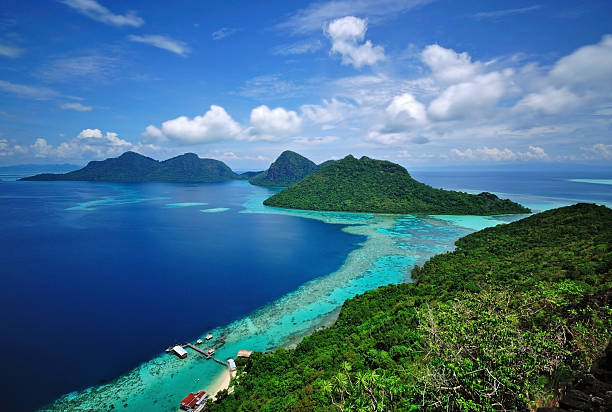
{"x": 287, "y": 169}
{"x": 134, "y": 167}
{"x": 499, "y": 324}
{"x": 368, "y": 185}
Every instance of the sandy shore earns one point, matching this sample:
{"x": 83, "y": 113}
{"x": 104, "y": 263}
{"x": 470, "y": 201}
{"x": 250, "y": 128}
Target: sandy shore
{"x": 221, "y": 383}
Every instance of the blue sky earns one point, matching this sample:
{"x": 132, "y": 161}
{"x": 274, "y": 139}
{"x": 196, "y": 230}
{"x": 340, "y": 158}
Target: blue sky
{"x": 418, "y": 82}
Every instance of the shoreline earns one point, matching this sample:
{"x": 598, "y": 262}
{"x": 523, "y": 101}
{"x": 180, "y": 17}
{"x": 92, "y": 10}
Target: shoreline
{"x": 222, "y": 382}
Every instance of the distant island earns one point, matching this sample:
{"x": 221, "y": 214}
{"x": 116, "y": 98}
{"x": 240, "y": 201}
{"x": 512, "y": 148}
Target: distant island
{"x": 287, "y": 169}
{"x": 378, "y": 186}
{"x": 504, "y": 322}
{"x": 134, "y": 167}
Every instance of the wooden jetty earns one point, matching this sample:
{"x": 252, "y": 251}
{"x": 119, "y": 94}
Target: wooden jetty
{"x": 200, "y": 351}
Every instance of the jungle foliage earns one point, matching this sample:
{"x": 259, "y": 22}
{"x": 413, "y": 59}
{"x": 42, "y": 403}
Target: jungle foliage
{"x": 369, "y": 185}
{"x": 499, "y": 323}
{"x": 287, "y": 169}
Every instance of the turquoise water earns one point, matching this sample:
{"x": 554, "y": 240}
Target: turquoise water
{"x": 595, "y": 181}
{"x": 185, "y": 204}
{"x": 215, "y": 210}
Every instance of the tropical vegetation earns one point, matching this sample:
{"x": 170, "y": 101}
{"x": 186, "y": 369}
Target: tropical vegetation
{"x": 368, "y": 185}
{"x": 500, "y": 323}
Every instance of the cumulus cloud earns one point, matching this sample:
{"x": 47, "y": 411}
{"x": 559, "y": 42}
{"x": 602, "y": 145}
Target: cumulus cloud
{"x": 89, "y": 134}
{"x": 347, "y": 35}
{"x": 403, "y": 111}
{"x": 88, "y": 144}
{"x": 215, "y": 125}
{"x": 587, "y": 67}
{"x": 549, "y": 101}
{"x": 598, "y": 151}
{"x": 470, "y": 98}
{"x": 448, "y": 66}
{"x": 328, "y": 114}
{"x": 501, "y": 155}
{"x": 98, "y": 12}
{"x": 77, "y": 107}
{"x": 273, "y": 124}
{"x": 162, "y": 42}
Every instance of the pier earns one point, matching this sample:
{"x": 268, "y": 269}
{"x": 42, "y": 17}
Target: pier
{"x": 221, "y": 362}
{"x": 200, "y": 351}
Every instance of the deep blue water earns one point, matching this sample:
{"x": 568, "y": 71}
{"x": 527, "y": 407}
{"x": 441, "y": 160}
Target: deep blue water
{"x": 99, "y": 277}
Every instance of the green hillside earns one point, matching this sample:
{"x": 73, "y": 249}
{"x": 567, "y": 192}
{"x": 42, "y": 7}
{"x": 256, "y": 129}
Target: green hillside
{"x": 286, "y": 170}
{"x": 501, "y": 323}
{"x": 368, "y": 185}
{"x": 133, "y": 167}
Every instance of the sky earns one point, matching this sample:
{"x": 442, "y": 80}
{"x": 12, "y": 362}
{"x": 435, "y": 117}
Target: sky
{"x": 417, "y": 82}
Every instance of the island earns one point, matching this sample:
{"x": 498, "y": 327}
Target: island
{"x": 503, "y": 322}
{"x": 287, "y": 169}
{"x": 378, "y": 186}
{"x": 134, "y": 167}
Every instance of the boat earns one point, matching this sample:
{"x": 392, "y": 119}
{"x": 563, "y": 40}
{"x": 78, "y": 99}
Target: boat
{"x": 209, "y": 336}
{"x": 211, "y": 351}
{"x": 199, "y": 341}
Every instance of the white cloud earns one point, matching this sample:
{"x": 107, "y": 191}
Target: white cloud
{"x": 93, "y": 67}
{"x": 405, "y": 109}
{"x": 549, "y": 101}
{"x": 448, "y": 66}
{"x": 347, "y": 35}
{"x": 153, "y": 133}
{"x": 315, "y": 141}
{"x": 273, "y": 124}
{"x": 223, "y": 32}
{"x": 501, "y": 155}
{"x": 89, "y": 134}
{"x": 96, "y": 11}
{"x": 162, "y": 42}
{"x": 41, "y": 148}
{"x": 10, "y": 51}
{"x": 599, "y": 151}
{"x": 327, "y": 114}
{"x": 470, "y": 98}
{"x": 505, "y": 12}
{"x": 214, "y": 125}
{"x": 76, "y": 106}
{"x": 314, "y": 17}
{"x": 88, "y": 144}
{"x": 589, "y": 67}
{"x": 28, "y": 92}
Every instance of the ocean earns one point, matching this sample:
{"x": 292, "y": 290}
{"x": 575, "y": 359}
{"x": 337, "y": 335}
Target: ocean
{"x": 99, "y": 278}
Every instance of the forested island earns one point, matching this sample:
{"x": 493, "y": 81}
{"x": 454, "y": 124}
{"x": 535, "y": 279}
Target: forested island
{"x": 134, "y": 167}
{"x": 287, "y": 169}
{"x": 501, "y": 323}
{"x": 378, "y": 186}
